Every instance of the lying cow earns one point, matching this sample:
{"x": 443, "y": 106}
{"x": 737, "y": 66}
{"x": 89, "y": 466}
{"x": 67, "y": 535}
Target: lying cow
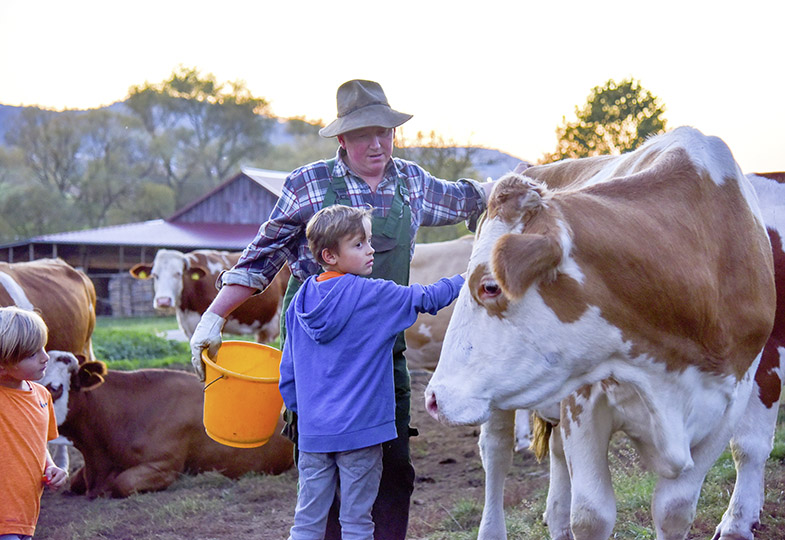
{"x": 65, "y": 299}
{"x": 139, "y": 430}
{"x": 184, "y": 284}
{"x": 639, "y": 299}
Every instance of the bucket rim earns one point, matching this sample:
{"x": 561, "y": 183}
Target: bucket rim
{"x": 229, "y": 373}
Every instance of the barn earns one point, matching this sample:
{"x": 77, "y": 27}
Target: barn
{"x": 227, "y": 218}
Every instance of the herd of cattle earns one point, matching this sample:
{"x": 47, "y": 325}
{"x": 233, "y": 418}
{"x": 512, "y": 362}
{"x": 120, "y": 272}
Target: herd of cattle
{"x": 623, "y": 293}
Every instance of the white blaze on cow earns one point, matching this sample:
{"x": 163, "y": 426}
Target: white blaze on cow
{"x": 184, "y": 284}
{"x": 140, "y": 430}
{"x": 638, "y": 292}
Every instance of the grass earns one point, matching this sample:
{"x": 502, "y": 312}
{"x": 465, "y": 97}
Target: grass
{"x": 138, "y": 343}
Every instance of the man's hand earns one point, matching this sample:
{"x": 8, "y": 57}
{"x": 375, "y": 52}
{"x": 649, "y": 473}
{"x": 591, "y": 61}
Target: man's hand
{"x": 207, "y": 335}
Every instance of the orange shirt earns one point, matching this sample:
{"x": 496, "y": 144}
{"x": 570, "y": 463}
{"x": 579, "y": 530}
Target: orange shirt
{"x": 27, "y": 422}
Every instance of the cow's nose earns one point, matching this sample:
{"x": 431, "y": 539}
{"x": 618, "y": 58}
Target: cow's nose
{"x": 163, "y": 302}
{"x": 430, "y": 404}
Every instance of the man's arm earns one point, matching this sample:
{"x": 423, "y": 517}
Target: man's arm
{"x": 207, "y": 334}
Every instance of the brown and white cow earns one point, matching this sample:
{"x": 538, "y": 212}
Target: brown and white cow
{"x": 185, "y": 284}
{"x": 139, "y": 430}
{"x": 636, "y": 298}
{"x": 62, "y": 295}
{"x": 65, "y": 299}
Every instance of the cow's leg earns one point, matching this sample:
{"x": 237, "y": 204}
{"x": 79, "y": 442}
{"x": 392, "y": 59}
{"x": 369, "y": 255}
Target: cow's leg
{"x": 496, "y": 444}
{"x": 751, "y": 444}
{"x": 153, "y": 476}
{"x": 557, "y": 507}
{"x": 675, "y": 499}
{"x": 522, "y": 430}
{"x": 586, "y": 428}
{"x": 59, "y": 449}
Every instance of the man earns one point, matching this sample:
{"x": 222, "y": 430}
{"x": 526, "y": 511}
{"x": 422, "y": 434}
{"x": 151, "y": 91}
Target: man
{"x": 404, "y": 197}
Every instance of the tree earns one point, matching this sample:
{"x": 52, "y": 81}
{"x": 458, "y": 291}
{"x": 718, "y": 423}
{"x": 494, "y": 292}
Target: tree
{"x": 200, "y": 129}
{"x": 617, "y": 118}
{"x": 444, "y": 160}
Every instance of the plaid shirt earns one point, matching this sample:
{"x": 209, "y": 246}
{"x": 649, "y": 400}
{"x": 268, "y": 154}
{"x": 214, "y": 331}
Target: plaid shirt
{"x": 281, "y": 238}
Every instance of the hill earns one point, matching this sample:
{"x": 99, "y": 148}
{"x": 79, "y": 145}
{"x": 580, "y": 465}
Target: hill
{"x": 489, "y": 163}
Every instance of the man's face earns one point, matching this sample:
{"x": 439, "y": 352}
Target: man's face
{"x": 368, "y": 149}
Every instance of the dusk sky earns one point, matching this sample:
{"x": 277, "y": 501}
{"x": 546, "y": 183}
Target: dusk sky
{"x": 495, "y": 73}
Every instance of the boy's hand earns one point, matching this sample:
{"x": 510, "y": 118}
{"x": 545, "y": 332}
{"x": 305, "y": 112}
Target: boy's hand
{"x": 54, "y": 477}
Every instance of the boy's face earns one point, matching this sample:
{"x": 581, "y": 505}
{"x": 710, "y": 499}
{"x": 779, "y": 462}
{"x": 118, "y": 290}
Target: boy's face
{"x": 354, "y": 254}
{"x": 31, "y": 368}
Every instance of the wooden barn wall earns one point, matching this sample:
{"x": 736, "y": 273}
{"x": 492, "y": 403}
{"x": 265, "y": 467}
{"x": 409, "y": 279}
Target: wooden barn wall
{"x": 240, "y": 202}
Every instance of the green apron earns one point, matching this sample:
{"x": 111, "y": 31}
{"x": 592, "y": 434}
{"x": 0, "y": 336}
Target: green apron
{"x": 391, "y": 241}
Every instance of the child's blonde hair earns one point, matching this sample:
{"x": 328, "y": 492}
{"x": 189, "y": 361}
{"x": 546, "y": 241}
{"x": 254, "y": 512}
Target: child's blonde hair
{"x": 22, "y": 334}
{"x": 330, "y": 225}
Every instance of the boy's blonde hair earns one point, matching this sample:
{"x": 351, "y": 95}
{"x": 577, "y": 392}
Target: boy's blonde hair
{"x": 332, "y": 224}
{"x": 22, "y": 334}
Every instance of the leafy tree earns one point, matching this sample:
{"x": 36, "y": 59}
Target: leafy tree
{"x": 200, "y": 129}
{"x": 50, "y": 143}
{"x": 300, "y": 143}
{"x": 617, "y": 118}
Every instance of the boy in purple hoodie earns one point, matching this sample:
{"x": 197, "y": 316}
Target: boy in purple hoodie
{"x": 337, "y": 370}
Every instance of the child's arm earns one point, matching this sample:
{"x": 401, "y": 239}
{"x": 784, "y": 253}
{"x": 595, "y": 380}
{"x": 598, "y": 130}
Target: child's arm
{"x": 286, "y": 380}
{"x": 54, "y": 476}
{"x": 437, "y": 295}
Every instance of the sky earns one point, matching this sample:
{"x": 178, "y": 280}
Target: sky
{"x": 500, "y": 74}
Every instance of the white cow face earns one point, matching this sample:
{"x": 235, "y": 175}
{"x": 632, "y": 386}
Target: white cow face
{"x": 506, "y": 347}
{"x": 57, "y": 379}
{"x": 169, "y": 266}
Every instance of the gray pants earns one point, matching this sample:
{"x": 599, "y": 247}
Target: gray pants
{"x": 356, "y": 473}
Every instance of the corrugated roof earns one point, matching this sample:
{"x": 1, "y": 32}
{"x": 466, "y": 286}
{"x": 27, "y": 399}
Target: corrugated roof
{"x": 159, "y": 233}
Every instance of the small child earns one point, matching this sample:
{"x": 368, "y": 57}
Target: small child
{"x": 27, "y": 422}
{"x": 337, "y": 370}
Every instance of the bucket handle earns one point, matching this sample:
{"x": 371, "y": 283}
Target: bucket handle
{"x": 215, "y": 381}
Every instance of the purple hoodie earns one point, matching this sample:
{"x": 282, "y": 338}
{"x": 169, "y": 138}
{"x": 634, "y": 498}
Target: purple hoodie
{"x": 337, "y": 369}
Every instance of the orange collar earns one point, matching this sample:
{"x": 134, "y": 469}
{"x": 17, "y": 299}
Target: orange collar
{"x": 328, "y": 275}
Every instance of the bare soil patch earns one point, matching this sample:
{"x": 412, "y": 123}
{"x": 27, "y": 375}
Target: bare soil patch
{"x": 209, "y": 506}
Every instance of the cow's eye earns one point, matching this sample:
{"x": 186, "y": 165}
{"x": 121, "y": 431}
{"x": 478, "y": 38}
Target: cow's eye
{"x": 489, "y": 289}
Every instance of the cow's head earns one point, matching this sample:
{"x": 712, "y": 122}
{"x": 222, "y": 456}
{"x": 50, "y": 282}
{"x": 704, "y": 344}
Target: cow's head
{"x": 65, "y": 374}
{"x": 168, "y": 271}
{"x": 506, "y": 346}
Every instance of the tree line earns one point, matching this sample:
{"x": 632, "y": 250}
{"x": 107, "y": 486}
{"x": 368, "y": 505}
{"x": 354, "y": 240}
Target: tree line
{"x": 168, "y": 143}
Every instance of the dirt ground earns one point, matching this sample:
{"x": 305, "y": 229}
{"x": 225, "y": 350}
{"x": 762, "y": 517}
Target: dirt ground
{"x": 446, "y": 461}
{"x": 209, "y": 506}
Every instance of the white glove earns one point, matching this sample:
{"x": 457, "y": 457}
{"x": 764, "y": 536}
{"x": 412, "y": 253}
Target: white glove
{"x": 207, "y": 335}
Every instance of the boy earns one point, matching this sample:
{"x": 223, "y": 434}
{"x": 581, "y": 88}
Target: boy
{"x": 337, "y": 372}
{"x": 27, "y": 422}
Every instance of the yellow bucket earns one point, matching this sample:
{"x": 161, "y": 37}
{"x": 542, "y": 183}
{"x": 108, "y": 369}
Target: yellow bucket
{"x": 242, "y": 403}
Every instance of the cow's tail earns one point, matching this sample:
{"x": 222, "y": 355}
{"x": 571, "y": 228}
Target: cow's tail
{"x": 541, "y": 434}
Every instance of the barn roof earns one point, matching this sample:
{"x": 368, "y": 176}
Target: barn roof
{"x": 158, "y": 233}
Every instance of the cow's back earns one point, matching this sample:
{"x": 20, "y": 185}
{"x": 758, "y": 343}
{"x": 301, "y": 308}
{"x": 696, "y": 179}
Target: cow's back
{"x": 154, "y": 416}
{"x": 64, "y": 296}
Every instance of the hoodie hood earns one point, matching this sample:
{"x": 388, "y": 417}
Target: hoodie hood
{"x": 323, "y": 308}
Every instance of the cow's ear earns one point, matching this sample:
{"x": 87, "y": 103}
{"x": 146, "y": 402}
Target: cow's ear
{"x": 141, "y": 271}
{"x": 90, "y": 375}
{"x": 196, "y": 272}
{"x": 521, "y": 259}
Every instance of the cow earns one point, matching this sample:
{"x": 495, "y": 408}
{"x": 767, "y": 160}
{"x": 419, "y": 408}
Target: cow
{"x": 184, "y": 284}
{"x": 635, "y": 293}
{"x": 65, "y": 298}
{"x": 430, "y": 263}
{"x": 140, "y": 430}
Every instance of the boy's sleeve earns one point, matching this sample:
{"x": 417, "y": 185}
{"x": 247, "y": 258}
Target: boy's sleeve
{"x": 437, "y": 295}
{"x": 286, "y": 381}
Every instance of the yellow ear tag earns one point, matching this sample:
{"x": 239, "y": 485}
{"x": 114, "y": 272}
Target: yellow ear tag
{"x": 143, "y": 275}
{"x": 195, "y": 276}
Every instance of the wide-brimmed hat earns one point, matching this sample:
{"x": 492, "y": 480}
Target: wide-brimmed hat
{"x": 362, "y": 104}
